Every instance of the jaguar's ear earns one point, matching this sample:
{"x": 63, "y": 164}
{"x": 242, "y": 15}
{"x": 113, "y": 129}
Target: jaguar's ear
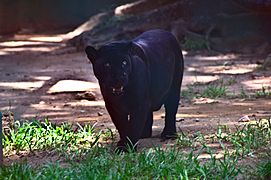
{"x": 91, "y": 53}
{"x": 137, "y": 50}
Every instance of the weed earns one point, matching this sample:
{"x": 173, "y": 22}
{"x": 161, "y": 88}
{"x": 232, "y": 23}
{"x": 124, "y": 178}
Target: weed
{"x": 43, "y": 135}
{"x": 195, "y": 44}
{"x": 215, "y": 91}
{"x": 265, "y": 92}
{"x": 183, "y": 141}
{"x": 264, "y": 170}
{"x": 243, "y": 93}
{"x": 249, "y": 137}
{"x": 226, "y": 167}
{"x": 231, "y": 81}
{"x": 189, "y": 93}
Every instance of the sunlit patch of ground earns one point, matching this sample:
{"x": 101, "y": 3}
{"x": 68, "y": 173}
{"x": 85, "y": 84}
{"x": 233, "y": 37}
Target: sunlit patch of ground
{"x": 30, "y": 86}
{"x": 235, "y": 69}
{"x": 257, "y": 83}
{"x": 11, "y": 44}
{"x": 65, "y": 86}
{"x": 191, "y": 78}
{"x": 31, "y": 44}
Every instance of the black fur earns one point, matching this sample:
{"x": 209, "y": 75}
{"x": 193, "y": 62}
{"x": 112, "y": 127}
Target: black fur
{"x": 136, "y": 78}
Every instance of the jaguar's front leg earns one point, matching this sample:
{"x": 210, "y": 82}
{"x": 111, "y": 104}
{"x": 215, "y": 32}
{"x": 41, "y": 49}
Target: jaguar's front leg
{"x": 136, "y": 124}
{"x": 147, "y": 131}
{"x": 120, "y": 120}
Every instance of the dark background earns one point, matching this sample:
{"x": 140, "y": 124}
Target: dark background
{"x": 49, "y": 15}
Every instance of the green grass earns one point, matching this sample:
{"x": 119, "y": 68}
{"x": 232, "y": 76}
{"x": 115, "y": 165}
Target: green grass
{"x": 265, "y": 92}
{"x": 156, "y": 163}
{"x": 195, "y": 44}
{"x": 215, "y": 91}
{"x": 243, "y": 93}
{"x": 86, "y": 157}
{"x": 231, "y": 81}
{"x": 189, "y": 93}
{"x": 36, "y": 135}
{"x": 264, "y": 170}
{"x": 211, "y": 91}
{"x": 220, "y": 90}
{"x": 247, "y": 138}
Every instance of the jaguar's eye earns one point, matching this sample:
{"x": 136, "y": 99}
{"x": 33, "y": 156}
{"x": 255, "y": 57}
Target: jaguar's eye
{"x": 107, "y": 65}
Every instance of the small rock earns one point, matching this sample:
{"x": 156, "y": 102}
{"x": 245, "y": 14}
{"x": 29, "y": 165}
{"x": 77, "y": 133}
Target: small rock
{"x": 228, "y": 63}
{"x": 86, "y": 95}
{"x": 259, "y": 62}
{"x": 179, "y": 119}
{"x": 41, "y": 102}
{"x": 204, "y": 101}
{"x": 163, "y": 116}
{"x": 244, "y": 119}
{"x": 100, "y": 114}
{"x": 196, "y": 120}
{"x": 227, "y": 68}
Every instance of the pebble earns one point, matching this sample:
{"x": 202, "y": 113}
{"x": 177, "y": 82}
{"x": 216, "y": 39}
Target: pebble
{"x": 197, "y": 120}
{"x": 41, "y": 102}
{"x": 179, "y": 119}
{"x": 244, "y": 119}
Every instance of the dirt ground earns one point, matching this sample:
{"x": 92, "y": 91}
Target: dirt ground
{"x": 42, "y": 78}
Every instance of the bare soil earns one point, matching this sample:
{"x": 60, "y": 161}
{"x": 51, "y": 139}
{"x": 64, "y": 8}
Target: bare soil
{"x": 42, "y": 78}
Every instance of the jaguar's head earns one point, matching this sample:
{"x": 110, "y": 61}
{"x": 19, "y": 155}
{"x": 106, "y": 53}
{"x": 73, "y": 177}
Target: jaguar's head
{"x": 111, "y": 65}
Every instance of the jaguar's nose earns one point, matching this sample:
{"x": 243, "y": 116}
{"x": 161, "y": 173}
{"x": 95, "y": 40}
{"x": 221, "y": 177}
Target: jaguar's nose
{"x": 118, "y": 85}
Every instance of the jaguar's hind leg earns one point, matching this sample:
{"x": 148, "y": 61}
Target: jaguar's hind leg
{"x": 171, "y": 108}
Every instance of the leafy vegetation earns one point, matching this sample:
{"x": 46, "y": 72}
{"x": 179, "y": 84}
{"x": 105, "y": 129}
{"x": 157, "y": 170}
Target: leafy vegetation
{"x": 155, "y": 163}
{"x": 30, "y": 136}
{"x": 189, "y": 93}
{"x": 211, "y": 91}
{"x": 264, "y": 170}
{"x": 88, "y": 158}
{"x": 220, "y": 90}
{"x": 243, "y": 93}
{"x": 265, "y": 92}
{"x": 195, "y": 44}
{"x": 215, "y": 91}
